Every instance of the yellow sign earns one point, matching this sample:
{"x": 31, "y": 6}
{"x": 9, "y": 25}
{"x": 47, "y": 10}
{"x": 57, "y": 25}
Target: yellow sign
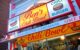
{"x": 34, "y": 16}
{"x": 54, "y": 32}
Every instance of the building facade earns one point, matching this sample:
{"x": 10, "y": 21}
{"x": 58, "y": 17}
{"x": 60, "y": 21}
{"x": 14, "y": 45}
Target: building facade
{"x": 44, "y": 25}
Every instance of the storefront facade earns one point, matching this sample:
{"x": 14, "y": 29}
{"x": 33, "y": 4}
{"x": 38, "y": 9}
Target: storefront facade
{"x": 47, "y": 27}
{"x": 51, "y": 38}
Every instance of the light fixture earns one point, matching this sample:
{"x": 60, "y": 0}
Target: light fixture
{"x": 62, "y": 37}
{"x": 11, "y": 36}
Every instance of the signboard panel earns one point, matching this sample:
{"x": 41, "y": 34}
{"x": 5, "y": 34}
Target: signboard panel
{"x": 58, "y": 7}
{"x": 63, "y": 30}
{"x": 49, "y": 26}
{"x": 36, "y": 15}
{"x": 13, "y": 24}
{"x": 40, "y": 14}
{"x": 53, "y": 32}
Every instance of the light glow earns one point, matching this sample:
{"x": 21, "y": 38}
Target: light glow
{"x": 62, "y": 37}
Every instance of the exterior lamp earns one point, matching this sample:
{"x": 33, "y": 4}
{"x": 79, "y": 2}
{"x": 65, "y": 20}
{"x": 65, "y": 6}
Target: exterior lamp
{"x": 62, "y": 37}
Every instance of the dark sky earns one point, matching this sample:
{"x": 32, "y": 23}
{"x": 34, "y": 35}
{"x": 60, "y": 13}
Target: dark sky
{"x": 4, "y": 11}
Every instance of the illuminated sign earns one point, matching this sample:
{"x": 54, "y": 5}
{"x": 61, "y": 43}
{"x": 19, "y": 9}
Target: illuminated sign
{"x": 13, "y": 24}
{"x": 53, "y": 32}
{"x": 62, "y": 30}
{"x": 49, "y": 26}
{"x": 34, "y": 16}
{"x": 58, "y": 7}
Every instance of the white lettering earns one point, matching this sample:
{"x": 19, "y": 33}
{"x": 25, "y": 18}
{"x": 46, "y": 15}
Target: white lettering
{"x": 55, "y": 2}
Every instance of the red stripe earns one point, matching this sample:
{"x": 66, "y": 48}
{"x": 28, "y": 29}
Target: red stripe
{"x": 78, "y": 3}
{"x": 72, "y": 7}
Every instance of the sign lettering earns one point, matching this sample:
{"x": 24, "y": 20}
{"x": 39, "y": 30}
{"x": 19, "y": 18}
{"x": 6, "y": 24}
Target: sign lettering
{"x": 34, "y": 16}
{"x": 54, "y": 32}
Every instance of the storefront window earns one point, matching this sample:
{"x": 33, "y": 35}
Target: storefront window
{"x": 56, "y": 44}
{"x": 71, "y": 42}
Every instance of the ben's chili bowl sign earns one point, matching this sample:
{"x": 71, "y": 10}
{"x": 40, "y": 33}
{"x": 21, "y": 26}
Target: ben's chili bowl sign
{"x": 58, "y": 7}
{"x": 34, "y": 16}
{"x": 53, "y": 32}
